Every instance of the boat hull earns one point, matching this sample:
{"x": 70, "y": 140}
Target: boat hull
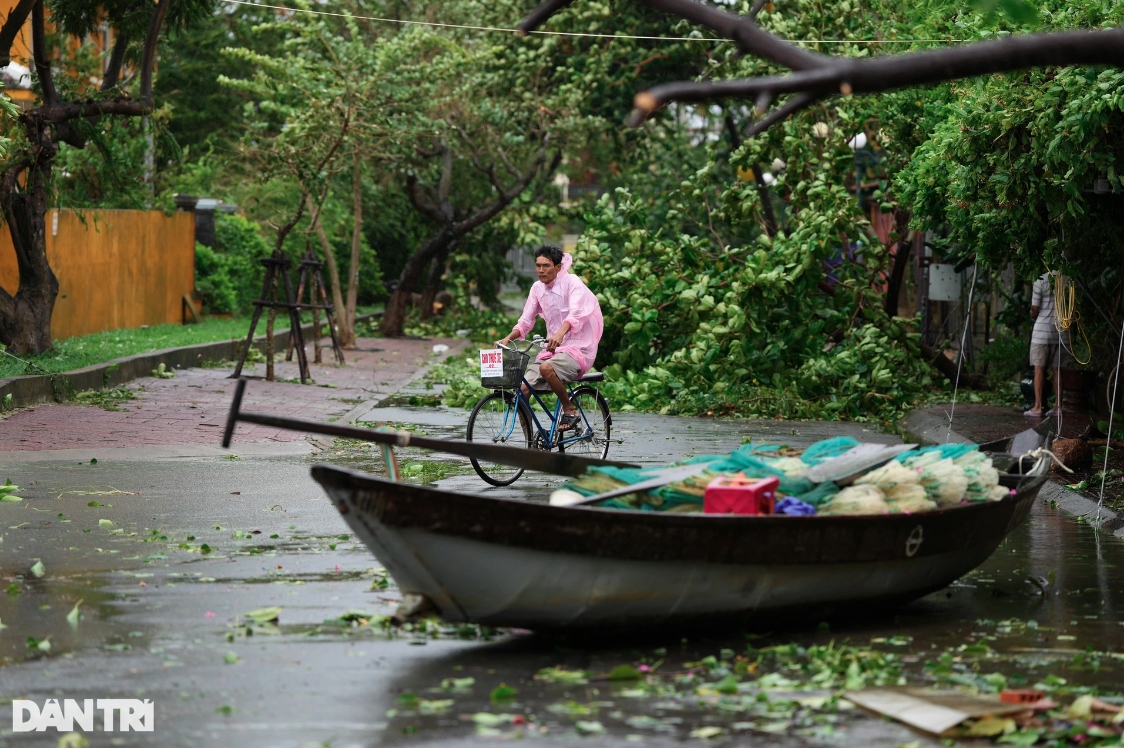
{"x": 502, "y": 562}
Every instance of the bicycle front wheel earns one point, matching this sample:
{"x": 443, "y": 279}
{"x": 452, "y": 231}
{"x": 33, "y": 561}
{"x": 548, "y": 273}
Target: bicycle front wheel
{"x": 595, "y": 424}
{"x": 496, "y": 420}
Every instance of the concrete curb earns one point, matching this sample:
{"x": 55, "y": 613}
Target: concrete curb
{"x": 1076, "y": 505}
{"x": 925, "y": 428}
{"x": 42, "y": 388}
{"x": 152, "y": 452}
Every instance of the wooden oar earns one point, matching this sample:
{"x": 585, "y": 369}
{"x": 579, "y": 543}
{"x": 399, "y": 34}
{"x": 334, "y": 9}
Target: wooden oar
{"x": 556, "y": 463}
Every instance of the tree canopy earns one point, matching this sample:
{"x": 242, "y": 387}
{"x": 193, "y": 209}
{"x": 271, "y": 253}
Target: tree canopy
{"x": 732, "y": 249}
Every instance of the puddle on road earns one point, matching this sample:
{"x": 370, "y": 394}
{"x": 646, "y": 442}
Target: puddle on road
{"x": 57, "y": 631}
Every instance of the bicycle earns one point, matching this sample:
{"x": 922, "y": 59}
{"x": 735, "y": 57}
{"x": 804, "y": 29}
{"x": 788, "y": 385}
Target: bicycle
{"x": 507, "y": 415}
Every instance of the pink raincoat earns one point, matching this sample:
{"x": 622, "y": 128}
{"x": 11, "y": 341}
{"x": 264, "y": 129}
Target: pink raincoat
{"x": 567, "y": 299}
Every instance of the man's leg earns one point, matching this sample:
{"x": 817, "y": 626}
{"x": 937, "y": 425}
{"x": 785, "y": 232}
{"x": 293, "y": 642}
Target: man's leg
{"x": 532, "y": 376}
{"x": 1039, "y": 388}
{"x": 557, "y": 387}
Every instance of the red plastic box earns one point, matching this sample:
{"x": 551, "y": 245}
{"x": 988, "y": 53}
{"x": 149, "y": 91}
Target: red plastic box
{"x": 738, "y": 494}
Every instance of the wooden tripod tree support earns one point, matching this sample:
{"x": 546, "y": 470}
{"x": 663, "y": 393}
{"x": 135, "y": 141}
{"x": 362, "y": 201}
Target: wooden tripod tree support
{"x": 311, "y": 275}
{"x": 276, "y": 275}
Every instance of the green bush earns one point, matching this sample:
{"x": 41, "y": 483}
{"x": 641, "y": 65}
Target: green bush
{"x": 1005, "y": 357}
{"x": 214, "y": 280}
{"x": 229, "y": 276}
{"x": 693, "y": 328}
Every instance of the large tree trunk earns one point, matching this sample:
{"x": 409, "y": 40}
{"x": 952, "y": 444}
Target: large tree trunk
{"x": 347, "y": 318}
{"x": 453, "y": 224}
{"x": 897, "y": 277}
{"x": 433, "y": 281}
{"x": 947, "y": 367}
{"x": 25, "y": 317}
{"x": 394, "y": 318}
{"x": 905, "y": 241}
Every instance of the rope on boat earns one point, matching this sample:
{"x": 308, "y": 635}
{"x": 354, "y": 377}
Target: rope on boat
{"x": 1038, "y": 453}
{"x": 1111, "y": 412}
{"x": 960, "y": 353}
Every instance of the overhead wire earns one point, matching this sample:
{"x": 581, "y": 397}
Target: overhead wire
{"x": 960, "y": 356}
{"x": 540, "y": 32}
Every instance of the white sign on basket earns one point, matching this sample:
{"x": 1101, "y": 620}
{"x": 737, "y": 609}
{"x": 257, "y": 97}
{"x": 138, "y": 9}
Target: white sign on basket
{"x": 491, "y": 362}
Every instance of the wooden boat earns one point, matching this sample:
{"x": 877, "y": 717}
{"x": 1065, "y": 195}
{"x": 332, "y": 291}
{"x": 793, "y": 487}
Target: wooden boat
{"x": 503, "y": 562}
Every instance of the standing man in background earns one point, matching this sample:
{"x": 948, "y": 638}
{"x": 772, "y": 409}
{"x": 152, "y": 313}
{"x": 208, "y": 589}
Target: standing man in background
{"x": 1049, "y": 346}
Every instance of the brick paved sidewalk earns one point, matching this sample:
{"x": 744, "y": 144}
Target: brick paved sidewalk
{"x": 191, "y": 408}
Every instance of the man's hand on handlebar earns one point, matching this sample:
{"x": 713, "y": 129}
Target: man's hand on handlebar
{"x": 555, "y": 340}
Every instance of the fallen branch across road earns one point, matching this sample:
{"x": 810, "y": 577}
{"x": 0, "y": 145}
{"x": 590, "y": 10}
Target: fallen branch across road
{"x": 816, "y": 76}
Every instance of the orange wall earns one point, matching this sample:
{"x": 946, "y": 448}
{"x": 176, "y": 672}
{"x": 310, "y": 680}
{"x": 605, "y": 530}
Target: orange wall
{"x": 21, "y": 50}
{"x": 119, "y": 269}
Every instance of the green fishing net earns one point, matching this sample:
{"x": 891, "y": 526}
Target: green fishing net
{"x": 751, "y": 460}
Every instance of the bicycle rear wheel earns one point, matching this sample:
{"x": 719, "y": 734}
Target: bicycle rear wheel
{"x": 491, "y": 421}
{"x": 595, "y": 423}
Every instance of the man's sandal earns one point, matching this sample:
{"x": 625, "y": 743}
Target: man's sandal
{"x": 569, "y": 421}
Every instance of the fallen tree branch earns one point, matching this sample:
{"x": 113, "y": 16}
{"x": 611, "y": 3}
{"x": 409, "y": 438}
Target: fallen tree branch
{"x": 815, "y": 76}
{"x": 935, "y": 357}
{"x": 790, "y": 107}
{"x": 13, "y": 24}
{"x": 58, "y": 113}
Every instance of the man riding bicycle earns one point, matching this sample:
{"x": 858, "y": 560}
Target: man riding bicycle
{"x": 573, "y": 327}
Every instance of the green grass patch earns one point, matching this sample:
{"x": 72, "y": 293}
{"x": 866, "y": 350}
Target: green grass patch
{"x": 87, "y": 350}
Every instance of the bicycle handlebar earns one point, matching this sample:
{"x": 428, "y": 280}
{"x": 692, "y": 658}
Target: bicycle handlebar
{"x": 538, "y": 340}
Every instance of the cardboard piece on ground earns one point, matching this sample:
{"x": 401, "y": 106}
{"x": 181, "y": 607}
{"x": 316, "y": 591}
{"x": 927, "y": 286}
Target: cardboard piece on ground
{"x": 932, "y": 711}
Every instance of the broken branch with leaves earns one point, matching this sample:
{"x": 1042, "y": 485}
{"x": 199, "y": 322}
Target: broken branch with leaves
{"x": 815, "y": 76}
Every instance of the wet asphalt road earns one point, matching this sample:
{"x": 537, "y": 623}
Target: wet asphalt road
{"x": 167, "y": 555}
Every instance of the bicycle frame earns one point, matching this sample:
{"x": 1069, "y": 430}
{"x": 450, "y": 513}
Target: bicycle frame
{"x": 510, "y": 417}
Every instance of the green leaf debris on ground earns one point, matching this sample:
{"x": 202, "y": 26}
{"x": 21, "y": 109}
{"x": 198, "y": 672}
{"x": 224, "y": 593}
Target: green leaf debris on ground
{"x": 107, "y": 399}
{"x": 8, "y": 491}
{"x": 263, "y": 615}
{"x": 797, "y": 689}
{"x": 624, "y": 672}
{"x": 504, "y": 692}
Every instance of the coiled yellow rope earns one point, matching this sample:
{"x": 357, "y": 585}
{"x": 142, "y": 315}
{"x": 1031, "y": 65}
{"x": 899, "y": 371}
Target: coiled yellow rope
{"x": 1066, "y": 314}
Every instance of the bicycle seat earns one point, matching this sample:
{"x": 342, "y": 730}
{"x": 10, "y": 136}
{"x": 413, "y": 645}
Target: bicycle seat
{"x": 593, "y": 376}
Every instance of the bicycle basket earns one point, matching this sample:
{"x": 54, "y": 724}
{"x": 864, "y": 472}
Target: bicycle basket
{"x": 514, "y": 365}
